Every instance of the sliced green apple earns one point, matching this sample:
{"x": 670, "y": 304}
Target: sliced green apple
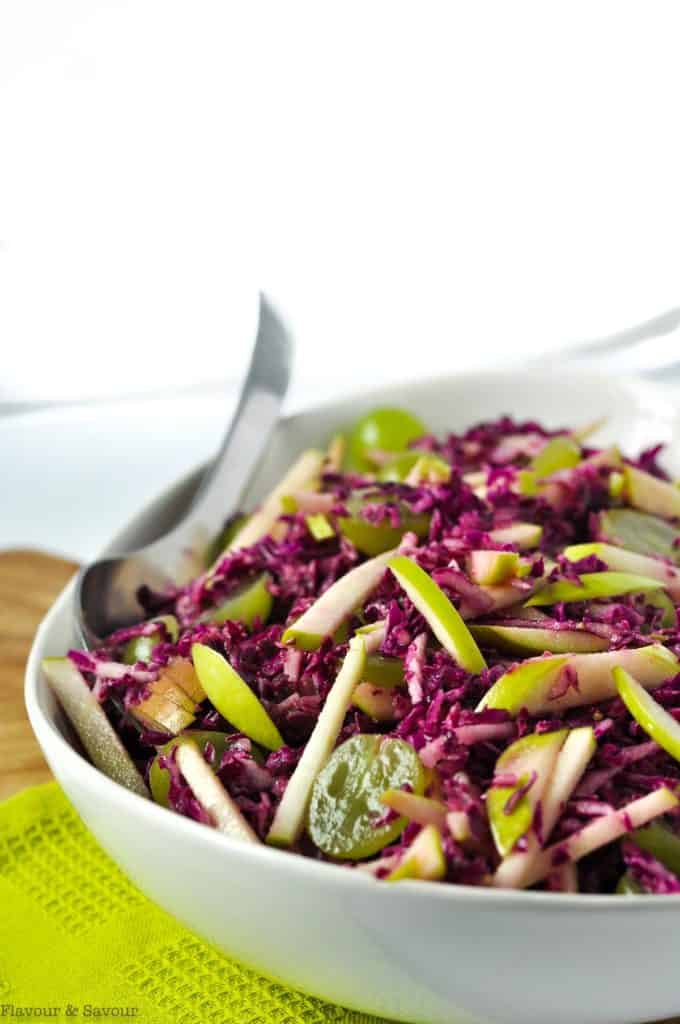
{"x": 159, "y": 778}
{"x": 648, "y": 713}
{"x": 604, "y": 830}
{"x": 524, "y": 536}
{"x": 250, "y": 602}
{"x": 558, "y": 682}
{"x": 304, "y": 474}
{"x": 89, "y": 720}
{"x": 424, "y": 860}
{"x": 233, "y": 698}
{"x": 421, "y": 809}
{"x": 429, "y": 469}
{"x": 493, "y": 567}
{"x": 435, "y": 607}
{"x": 290, "y": 815}
{"x": 663, "y": 844}
{"x": 536, "y": 640}
{"x": 559, "y": 453}
{"x": 625, "y": 561}
{"x": 374, "y": 701}
{"x": 511, "y": 808}
{"x": 337, "y": 603}
{"x": 223, "y": 812}
{"x": 593, "y": 587}
{"x": 638, "y": 531}
{"x": 319, "y": 527}
{"x": 571, "y": 763}
{"x": 649, "y": 494}
{"x": 166, "y": 707}
{"x": 140, "y": 648}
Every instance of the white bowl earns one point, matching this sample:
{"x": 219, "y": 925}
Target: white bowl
{"x": 436, "y": 954}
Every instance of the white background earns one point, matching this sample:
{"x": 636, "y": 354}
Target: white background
{"x": 421, "y": 185}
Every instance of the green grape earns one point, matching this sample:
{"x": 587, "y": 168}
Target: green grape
{"x": 383, "y": 671}
{"x": 386, "y": 429}
{"x": 346, "y": 804}
{"x": 159, "y": 778}
{"x": 398, "y": 468}
{"x": 140, "y": 648}
{"x": 663, "y": 844}
{"x": 253, "y": 601}
{"x": 374, "y": 538}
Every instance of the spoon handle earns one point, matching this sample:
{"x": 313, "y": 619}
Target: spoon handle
{"x": 251, "y": 427}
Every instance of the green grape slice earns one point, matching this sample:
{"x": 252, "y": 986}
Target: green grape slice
{"x": 250, "y": 602}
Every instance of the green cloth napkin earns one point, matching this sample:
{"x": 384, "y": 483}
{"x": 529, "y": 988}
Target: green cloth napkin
{"x": 77, "y": 936}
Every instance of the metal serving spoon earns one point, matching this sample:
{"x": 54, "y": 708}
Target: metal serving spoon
{"x": 105, "y": 597}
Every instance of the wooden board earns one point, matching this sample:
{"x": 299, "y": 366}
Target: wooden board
{"x": 29, "y": 583}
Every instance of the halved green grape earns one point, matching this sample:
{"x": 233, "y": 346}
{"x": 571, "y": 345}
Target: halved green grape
{"x": 233, "y": 698}
{"x": 638, "y": 531}
{"x": 593, "y": 586}
{"x": 424, "y": 860}
{"x": 346, "y": 805}
{"x": 250, "y": 602}
{"x": 444, "y": 620}
{"x": 374, "y": 538}
{"x": 319, "y": 527}
{"x": 140, "y": 648}
{"x": 387, "y": 429}
{"x": 648, "y": 713}
{"x": 523, "y": 535}
{"x": 159, "y": 778}
{"x": 531, "y": 757}
{"x": 536, "y": 640}
{"x": 398, "y": 468}
{"x": 627, "y": 886}
{"x": 381, "y": 670}
{"x": 663, "y": 844}
{"x": 559, "y": 453}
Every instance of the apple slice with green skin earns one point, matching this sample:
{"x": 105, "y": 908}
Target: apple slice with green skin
{"x": 248, "y": 603}
{"x": 290, "y": 815}
{"x": 594, "y": 586}
{"x": 493, "y": 567}
{"x": 424, "y": 860}
{"x": 559, "y": 453}
{"x": 89, "y": 720}
{"x": 638, "y": 531}
{"x": 649, "y": 494}
{"x": 429, "y": 469}
{"x": 421, "y": 809}
{"x": 319, "y": 527}
{"x": 374, "y": 701}
{"x": 303, "y": 475}
{"x": 441, "y": 616}
{"x": 511, "y": 808}
{"x": 648, "y": 713}
{"x": 625, "y": 561}
{"x": 223, "y": 812}
{"x": 571, "y": 763}
{"x": 140, "y": 648}
{"x": 337, "y": 603}
{"x": 159, "y": 778}
{"x": 524, "y": 536}
{"x": 663, "y": 844}
{"x": 542, "y": 684}
{"x": 529, "y": 640}
{"x": 600, "y": 832}
{"x": 233, "y": 698}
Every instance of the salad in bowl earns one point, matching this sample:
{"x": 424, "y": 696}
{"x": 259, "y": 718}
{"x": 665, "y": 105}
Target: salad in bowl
{"x": 452, "y": 659}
